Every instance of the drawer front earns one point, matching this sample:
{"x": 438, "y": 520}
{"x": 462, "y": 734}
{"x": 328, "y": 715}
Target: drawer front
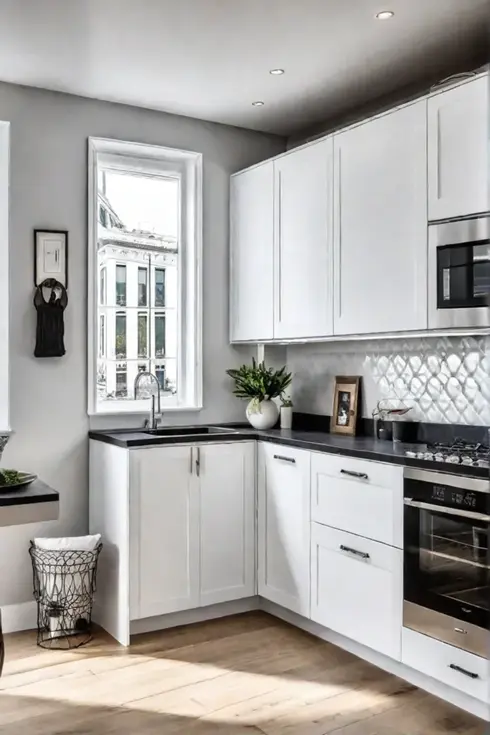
{"x": 357, "y": 588}
{"x": 358, "y": 496}
{"x": 449, "y": 665}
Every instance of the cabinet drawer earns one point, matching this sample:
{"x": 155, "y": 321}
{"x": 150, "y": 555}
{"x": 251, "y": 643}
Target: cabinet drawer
{"x": 357, "y": 588}
{"x": 358, "y": 496}
{"x": 449, "y": 665}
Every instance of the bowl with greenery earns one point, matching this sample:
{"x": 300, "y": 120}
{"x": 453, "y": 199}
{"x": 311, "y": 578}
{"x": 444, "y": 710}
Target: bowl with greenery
{"x": 259, "y": 384}
{"x": 12, "y": 479}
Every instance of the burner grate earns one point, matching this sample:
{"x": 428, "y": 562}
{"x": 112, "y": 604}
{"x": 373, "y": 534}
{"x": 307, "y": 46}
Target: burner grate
{"x": 459, "y": 452}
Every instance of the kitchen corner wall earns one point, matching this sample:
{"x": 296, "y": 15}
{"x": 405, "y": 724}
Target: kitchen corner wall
{"x": 444, "y": 380}
{"x": 48, "y": 188}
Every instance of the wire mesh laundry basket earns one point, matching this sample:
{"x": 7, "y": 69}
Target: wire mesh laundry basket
{"x": 64, "y": 586}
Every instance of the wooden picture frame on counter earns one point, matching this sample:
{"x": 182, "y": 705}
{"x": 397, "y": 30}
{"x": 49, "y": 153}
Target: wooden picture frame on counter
{"x": 345, "y": 405}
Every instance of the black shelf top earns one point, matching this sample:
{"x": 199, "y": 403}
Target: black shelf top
{"x": 36, "y": 492}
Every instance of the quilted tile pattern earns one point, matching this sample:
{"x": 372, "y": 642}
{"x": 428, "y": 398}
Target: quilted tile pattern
{"x": 444, "y": 380}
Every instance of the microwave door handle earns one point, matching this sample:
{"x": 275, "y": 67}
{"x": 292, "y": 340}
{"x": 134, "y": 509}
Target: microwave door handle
{"x": 447, "y": 511}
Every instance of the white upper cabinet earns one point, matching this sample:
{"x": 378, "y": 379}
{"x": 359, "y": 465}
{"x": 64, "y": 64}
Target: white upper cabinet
{"x": 284, "y": 527}
{"x": 303, "y": 243}
{"x": 380, "y": 215}
{"x": 227, "y": 499}
{"x": 458, "y": 147}
{"x": 251, "y": 253}
{"x": 164, "y": 532}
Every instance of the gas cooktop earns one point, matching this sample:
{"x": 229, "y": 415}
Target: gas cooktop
{"x": 459, "y": 452}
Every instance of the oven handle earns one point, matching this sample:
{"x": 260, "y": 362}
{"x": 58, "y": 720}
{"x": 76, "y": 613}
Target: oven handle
{"x": 447, "y": 511}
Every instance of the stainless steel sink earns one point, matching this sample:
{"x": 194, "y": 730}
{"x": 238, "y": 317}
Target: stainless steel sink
{"x": 188, "y": 431}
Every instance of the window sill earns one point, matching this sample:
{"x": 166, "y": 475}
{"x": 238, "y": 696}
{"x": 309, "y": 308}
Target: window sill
{"x": 139, "y": 412}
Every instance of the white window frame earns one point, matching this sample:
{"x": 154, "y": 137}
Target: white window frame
{"x": 4, "y": 277}
{"x": 158, "y": 159}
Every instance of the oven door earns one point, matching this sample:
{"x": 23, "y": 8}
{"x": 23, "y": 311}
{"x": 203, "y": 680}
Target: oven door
{"x": 446, "y": 547}
{"x": 459, "y": 273}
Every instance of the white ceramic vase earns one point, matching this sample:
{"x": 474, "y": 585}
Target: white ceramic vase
{"x": 286, "y": 417}
{"x": 262, "y": 414}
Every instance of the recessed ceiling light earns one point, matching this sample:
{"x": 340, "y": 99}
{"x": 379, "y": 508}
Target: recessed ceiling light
{"x": 276, "y": 72}
{"x": 258, "y": 103}
{"x": 385, "y": 15}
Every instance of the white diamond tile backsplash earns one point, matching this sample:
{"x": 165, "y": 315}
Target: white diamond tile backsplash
{"x": 443, "y": 379}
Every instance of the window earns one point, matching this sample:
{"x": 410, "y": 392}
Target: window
{"x": 121, "y": 285}
{"x": 121, "y": 381}
{"x": 143, "y": 335}
{"x": 159, "y": 287}
{"x": 103, "y": 286}
{"x": 102, "y": 336}
{"x": 102, "y": 216}
{"x": 160, "y": 335}
{"x": 160, "y": 375}
{"x": 142, "y": 287}
{"x": 149, "y": 249}
{"x": 120, "y": 345}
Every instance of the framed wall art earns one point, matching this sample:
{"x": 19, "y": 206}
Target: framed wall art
{"x": 345, "y": 405}
{"x": 51, "y": 256}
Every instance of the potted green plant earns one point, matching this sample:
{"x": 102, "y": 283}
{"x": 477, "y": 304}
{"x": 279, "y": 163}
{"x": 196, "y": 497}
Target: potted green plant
{"x": 286, "y": 412}
{"x": 260, "y": 384}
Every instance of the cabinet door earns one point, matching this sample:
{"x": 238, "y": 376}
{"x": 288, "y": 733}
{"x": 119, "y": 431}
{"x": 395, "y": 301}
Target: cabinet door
{"x": 251, "y": 254}
{"x": 164, "y": 532}
{"x": 458, "y": 135}
{"x": 357, "y": 588}
{"x": 303, "y": 243}
{"x": 227, "y": 500}
{"x": 380, "y": 241}
{"x": 284, "y": 527}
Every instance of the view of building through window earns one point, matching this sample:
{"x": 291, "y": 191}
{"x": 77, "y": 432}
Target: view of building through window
{"x": 137, "y": 261}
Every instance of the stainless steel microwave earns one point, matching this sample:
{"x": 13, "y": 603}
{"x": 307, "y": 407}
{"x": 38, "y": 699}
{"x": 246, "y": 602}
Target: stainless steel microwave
{"x": 459, "y": 273}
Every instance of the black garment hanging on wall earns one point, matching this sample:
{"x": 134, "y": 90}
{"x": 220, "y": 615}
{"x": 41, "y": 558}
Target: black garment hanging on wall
{"x": 50, "y": 328}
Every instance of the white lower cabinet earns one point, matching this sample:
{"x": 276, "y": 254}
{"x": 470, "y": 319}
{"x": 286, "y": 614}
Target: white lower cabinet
{"x": 191, "y": 527}
{"x": 284, "y": 527}
{"x": 447, "y": 664}
{"x": 356, "y": 588}
{"x": 164, "y": 532}
{"x": 227, "y": 512}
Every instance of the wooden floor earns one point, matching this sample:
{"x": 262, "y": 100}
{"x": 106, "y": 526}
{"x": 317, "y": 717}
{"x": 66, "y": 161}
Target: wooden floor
{"x": 247, "y": 675}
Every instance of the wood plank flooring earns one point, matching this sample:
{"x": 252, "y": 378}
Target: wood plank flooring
{"x": 246, "y": 675}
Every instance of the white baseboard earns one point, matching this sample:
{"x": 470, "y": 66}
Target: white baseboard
{"x": 469, "y": 704}
{"x": 19, "y": 617}
{"x": 197, "y": 615}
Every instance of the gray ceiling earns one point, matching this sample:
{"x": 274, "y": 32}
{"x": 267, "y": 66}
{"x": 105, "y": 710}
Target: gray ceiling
{"x": 211, "y": 58}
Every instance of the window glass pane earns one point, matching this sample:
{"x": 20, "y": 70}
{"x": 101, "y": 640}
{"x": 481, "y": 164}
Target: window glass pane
{"x": 159, "y": 287}
{"x": 142, "y": 287}
{"x": 142, "y": 335}
{"x": 121, "y": 347}
{"x": 102, "y": 336}
{"x": 160, "y": 335}
{"x": 137, "y": 263}
{"x": 121, "y": 285}
{"x": 160, "y": 374}
{"x": 102, "y": 286}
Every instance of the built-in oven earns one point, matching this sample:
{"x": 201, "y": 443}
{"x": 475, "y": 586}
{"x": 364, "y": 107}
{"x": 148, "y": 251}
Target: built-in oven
{"x": 446, "y": 558}
{"x": 459, "y": 273}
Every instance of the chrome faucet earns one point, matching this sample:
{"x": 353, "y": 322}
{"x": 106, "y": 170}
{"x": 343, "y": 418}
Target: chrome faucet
{"x": 152, "y": 422}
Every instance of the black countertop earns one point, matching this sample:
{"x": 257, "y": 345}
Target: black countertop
{"x": 36, "y": 492}
{"x": 363, "y": 447}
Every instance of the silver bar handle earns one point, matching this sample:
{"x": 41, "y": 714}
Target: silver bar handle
{"x": 285, "y": 459}
{"x": 460, "y": 670}
{"x": 447, "y": 511}
{"x": 361, "y": 554}
{"x": 358, "y": 475}
{"x": 191, "y": 468}
{"x": 198, "y": 461}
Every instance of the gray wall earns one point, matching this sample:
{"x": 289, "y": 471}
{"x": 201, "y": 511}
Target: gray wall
{"x": 442, "y": 379}
{"x": 48, "y": 400}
